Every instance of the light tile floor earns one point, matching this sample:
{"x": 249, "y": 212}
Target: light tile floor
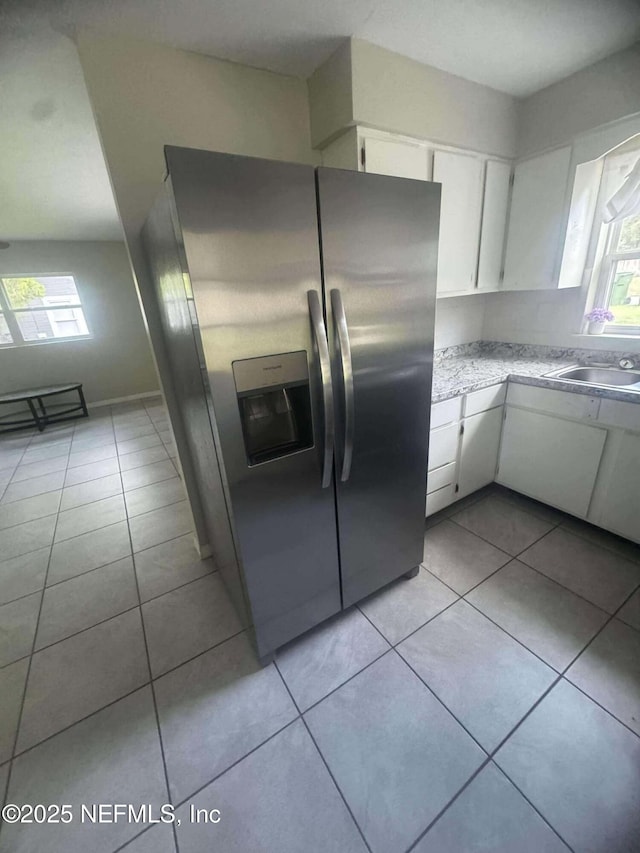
{"x": 492, "y": 703}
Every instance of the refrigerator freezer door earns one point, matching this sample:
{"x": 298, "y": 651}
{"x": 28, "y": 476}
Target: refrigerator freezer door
{"x": 251, "y": 244}
{"x": 379, "y": 244}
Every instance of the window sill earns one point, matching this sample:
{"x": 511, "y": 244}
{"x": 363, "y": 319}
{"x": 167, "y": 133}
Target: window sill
{"x": 609, "y": 337}
{"x": 24, "y": 344}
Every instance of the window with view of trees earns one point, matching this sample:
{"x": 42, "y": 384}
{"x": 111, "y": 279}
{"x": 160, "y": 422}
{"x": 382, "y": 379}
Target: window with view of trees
{"x": 40, "y": 308}
{"x": 618, "y": 275}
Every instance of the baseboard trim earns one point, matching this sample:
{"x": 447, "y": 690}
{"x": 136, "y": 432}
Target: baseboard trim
{"x": 127, "y": 399}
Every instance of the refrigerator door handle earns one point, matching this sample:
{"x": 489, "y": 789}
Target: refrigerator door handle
{"x": 320, "y": 334}
{"x": 344, "y": 347}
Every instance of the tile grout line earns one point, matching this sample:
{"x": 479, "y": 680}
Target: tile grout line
{"x": 95, "y": 529}
{"x": 533, "y": 568}
{"x": 146, "y": 648}
{"x": 347, "y": 680}
{"x": 493, "y": 545}
{"x": 415, "y": 631}
{"x": 563, "y": 523}
{"x": 493, "y": 622}
{"x": 566, "y": 527}
{"x": 533, "y": 806}
{"x": 29, "y": 520}
{"x": 486, "y": 761}
{"x": 15, "y": 468}
{"x": 97, "y": 568}
{"x": 215, "y": 778}
{"x": 561, "y": 676}
{"x": 490, "y": 759}
{"x": 28, "y": 672}
{"x": 124, "y": 696}
{"x": 422, "y": 681}
{"x": 25, "y": 479}
{"x": 322, "y": 758}
{"x": 611, "y": 616}
{"x": 106, "y": 619}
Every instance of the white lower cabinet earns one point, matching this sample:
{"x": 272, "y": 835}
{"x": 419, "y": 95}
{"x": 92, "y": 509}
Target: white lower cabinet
{"x": 479, "y": 451}
{"x": 463, "y": 451}
{"x": 439, "y": 499}
{"x": 620, "y": 507}
{"x": 572, "y": 451}
{"x": 551, "y": 459}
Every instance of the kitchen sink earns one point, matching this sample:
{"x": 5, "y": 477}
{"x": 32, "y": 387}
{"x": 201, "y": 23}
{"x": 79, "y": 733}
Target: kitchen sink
{"x": 607, "y": 376}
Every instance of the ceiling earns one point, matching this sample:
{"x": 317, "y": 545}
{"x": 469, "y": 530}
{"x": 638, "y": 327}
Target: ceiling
{"x": 517, "y": 46}
{"x": 53, "y": 181}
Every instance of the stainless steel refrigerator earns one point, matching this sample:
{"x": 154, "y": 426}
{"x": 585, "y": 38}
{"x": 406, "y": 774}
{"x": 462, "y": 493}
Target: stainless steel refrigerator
{"x": 298, "y": 312}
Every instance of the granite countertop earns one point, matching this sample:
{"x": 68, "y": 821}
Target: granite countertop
{"x": 461, "y": 374}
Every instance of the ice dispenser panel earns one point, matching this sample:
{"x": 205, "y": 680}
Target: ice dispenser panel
{"x": 275, "y": 405}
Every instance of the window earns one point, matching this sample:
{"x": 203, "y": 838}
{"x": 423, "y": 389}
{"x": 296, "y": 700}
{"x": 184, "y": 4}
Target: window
{"x": 620, "y": 276}
{"x": 616, "y": 283}
{"x": 40, "y": 308}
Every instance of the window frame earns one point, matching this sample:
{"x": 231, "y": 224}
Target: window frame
{"x": 9, "y": 313}
{"x": 606, "y": 277}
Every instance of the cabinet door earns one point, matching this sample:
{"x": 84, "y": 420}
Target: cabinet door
{"x": 536, "y": 221}
{"x": 479, "y": 451}
{"x": 461, "y": 179}
{"x": 621, "y": 510}
{"x": 494, "y": 223}
{"x": 396, "y": 157}
{"x": 548, "y": 458}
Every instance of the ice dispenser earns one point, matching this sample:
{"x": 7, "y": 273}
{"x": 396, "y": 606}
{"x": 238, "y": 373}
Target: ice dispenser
{"x": 275, "y": 405}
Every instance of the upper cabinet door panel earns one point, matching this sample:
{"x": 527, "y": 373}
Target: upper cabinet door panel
{"x": 494, "y": 224}
{"x": 461, "y": 178}
{"x": 536, "y": 221}
{"x": 397, "y": 158}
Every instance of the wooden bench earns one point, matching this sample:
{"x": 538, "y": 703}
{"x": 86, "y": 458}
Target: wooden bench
{"x": 39, "y": 415}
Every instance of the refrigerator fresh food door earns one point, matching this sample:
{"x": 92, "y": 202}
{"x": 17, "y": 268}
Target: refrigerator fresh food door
{"x": 250, "y": 237}
{"x": 379, "y": 239}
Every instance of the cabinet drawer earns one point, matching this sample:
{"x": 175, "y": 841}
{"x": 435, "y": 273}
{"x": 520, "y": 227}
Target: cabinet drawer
{"x": 440, "y": 477}
{"x": 562, "y": 403}
{"x": 440, "y": 499}
{"x": 443, "y": 445}
{"x": 486, "y": 398}
{"x": 445, "y": 412}
{"x": 617, "y": 413}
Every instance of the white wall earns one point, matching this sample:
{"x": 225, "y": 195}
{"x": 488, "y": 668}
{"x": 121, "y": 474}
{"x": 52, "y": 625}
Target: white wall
{"x": 116, "y": 361}
{"x": 330, "y": 96}
{"x": 364, "y": 84}
{"x": 394, "y": 93}
{"x": 595, "y": 110}
{"x": 459, "y": 320}
{"x": 604, "y": 92}
{"x": 146, "y": 96}
{"x": 533, "y": 317}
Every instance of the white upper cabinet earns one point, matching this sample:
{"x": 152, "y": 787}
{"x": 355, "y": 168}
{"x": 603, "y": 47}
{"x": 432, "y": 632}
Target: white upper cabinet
{"x": 396, "y": 157}
{"x": 495, "y": 205}
{"x": 536, "y": 220}
{"x": 475, "y": 199}
{"x": 461, "y": 177}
